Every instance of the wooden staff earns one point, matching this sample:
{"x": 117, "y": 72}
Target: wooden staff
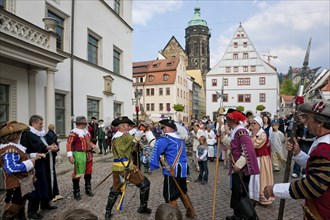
{"x": 217, "y": 164}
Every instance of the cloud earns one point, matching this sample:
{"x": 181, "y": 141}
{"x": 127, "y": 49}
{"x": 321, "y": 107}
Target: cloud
{"x": 283, "y": 29}
{"x": 145, "y": 10}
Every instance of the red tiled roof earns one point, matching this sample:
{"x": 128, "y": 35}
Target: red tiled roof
{"x": 326, "y": 88}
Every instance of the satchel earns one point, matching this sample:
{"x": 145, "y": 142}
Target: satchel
{"x": 27, "y": 183}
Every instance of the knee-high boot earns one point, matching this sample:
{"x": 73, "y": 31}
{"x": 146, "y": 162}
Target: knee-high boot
{"x": 144, "y": 196}
{"x": 88, "y": 184}
{"x": 112, "y": 198}
{"x": 76, "y": 189}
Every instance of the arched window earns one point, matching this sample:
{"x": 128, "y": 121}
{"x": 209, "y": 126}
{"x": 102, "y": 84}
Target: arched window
{"x": 165, "y": 77}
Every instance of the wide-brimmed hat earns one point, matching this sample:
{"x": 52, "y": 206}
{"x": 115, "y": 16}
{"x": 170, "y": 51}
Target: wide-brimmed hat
{"x": 12, "y": 127}
{"x": 169, "y": 123}
{"x": 316, "y": 106}
{"x": 81, "y": 120}
{"x": 122, "y": 120}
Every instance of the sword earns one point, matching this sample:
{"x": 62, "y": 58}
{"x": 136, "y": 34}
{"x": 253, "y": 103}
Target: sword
{"x": 103, "y": 181}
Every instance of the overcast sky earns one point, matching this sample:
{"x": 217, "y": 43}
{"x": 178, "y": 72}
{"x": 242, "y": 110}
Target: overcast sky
{"x": 278, "y": 28}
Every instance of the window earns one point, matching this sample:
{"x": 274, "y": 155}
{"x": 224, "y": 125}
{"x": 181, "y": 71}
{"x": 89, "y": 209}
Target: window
{"x": 4, "y": 103}
{"x": 152, "y": 107}
{"x": 247, "y": 81}
{"x": 214, "y": 82}
{"x": 59, "y": 29}
{"x": 244, "y": 44}
{"x": 92, "y": 49}
{"x": 242, "y": 35}
{"x": 168, "y": 91}
{"x": 228, "y": 69}
{"x": 262, "y": 81}
{"x": 160, "y": 91}
{"x": 168, "y": 107}
{"x": 240, "y": 81}
{"x": 161, "y": 107}
{"x": 148, "y": 92}
{"x": 152, "y": 91}
{"x": 244, "y": 98}
{"x": 245, "y": 68}
{"x": 225, "y": 81}
{"x": 245, "y": 55}
{"x": 116, "y": 6}
{"x": 116, "y": 61}
{"x": 203, "y": 48}
{"x": 195, "y": 48}
{"x": 2, "y": 3}
{"x": 148, "y": 107}
{"x": 235, "y": 44}
{"x": 235, "y": 69}
{"x": 169, "y": 64}
{"x": 181, "y": 93}
{"x": 262, "y": 97}
{"x": 117, "y": 109}
{"x": 225, "y": 98}
{"x": 150, "y": 78}
{"x": 165, "y": 77}
{"x": 235, "y": 56}
{"x": 253, "y": 68}
{"x": 60, "y": 113}
{"x": 155, "y": 65}
{"x": 92, "y": 108}
{"x": 214, "y": 98}
{"x": 238, "y": 36}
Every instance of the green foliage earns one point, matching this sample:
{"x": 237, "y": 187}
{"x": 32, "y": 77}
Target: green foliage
{"x": 260, "y": 107}
{"x": 240, "y": 108}
{"x": 288, "y": 88}
{"x": 178, "y": 107}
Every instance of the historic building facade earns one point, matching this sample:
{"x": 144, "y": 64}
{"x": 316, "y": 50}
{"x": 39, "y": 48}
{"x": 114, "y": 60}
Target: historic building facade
{"x": 247, "y": 80}
{"x": 70, "y": 64}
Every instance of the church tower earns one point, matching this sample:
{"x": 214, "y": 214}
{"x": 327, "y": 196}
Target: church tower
{"x": 197, "y": 44}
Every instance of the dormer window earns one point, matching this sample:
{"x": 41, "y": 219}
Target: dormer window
{"x": 155, "y": 65}
{"x": 169, "y": 64}
{"x": 150, "y": 78}
{"x": 165, "y": 77}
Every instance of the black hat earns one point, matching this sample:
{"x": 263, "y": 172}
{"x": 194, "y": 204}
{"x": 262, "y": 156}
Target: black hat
{"x": 94, "y": 118}
{"x": 122, "y": 120}
{"x": 169, "y": 123}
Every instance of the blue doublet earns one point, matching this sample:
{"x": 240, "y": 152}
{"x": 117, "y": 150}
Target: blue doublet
{"x": 169, "y": 146}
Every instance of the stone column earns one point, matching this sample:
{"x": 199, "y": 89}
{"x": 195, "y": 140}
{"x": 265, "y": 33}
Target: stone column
{"x": 50, "y": 98}
{"x": 32, "y": 91}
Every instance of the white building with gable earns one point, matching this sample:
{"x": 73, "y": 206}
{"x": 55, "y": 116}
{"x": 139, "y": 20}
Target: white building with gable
{"x": 79, "y": 66}
{"x": 247, "y": 80}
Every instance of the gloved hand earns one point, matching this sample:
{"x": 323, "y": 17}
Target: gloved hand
{"x": 138, "y": 135}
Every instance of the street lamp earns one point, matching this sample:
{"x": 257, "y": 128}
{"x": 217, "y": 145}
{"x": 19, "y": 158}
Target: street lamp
{"x": 137, "y": 95}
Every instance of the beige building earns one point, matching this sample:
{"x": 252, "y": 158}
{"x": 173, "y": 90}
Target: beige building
{"x": 162, "y": 83}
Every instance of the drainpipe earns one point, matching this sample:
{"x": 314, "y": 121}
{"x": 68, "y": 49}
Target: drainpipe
{"x": 71, "y": 61}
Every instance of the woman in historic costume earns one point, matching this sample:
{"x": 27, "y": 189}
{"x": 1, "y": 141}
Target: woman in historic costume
{"x": 123, "y": 168}
{"x": 17, "y": 166}
{"x": 315, "y": 188}
{"x": 243, "y": 159}
{"x": 261, "y": 145}
{"x": 174, "y": 163}
{"x": 79, "y": 151}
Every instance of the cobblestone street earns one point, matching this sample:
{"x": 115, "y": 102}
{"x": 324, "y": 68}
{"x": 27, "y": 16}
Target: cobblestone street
{"x": 201, "y": 195}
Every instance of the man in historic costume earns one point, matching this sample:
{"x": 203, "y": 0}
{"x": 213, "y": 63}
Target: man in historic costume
{"x": 124, "y": 170}
{"x": 92, "y": 129}
{"x": 173, "y": 147}
{"x": 243, "y": 159}
{"x": 101, "y": 136}
{"x": 16, "y": 165}
{"x": 315, "y": 187}
{"x": 79, "y": 151}
{"x": 46, "y": 183}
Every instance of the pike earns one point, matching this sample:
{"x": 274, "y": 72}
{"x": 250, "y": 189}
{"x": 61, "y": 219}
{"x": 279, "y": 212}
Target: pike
{"x": 305, "y": 72}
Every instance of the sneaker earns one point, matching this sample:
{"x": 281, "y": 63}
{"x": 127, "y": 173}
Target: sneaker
{"x": 294, "y": 175}
{"x": 303, "y": 176}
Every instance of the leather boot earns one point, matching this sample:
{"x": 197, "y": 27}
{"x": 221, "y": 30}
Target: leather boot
{"x": 144, "y": 197}
{"x": 112, "y": 198}
{"x": 7, "y": 215}
{"x": 76, "y": 189}
{"x": 21, "y": 214}
{"x": 88, "y": 185}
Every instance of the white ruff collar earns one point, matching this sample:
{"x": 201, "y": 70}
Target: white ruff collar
{"x": 80, "y": 132}
{"x": 117, "y": 135}
{"x": 36, "y": 132}
{"x": 322, "y": 139}
{"x": 174, "y": 134}
{"x": 233, "y": 132}
{"x": 19, "y": 146}
{"x": 260, "y": 132}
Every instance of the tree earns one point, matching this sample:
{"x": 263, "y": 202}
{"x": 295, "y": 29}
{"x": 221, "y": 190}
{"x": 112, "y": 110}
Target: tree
{"x": 240, "y": 108}
{"x": 260, "y": 107}
{"x": 288, "y": 88}
{"x": 178, "y": 108}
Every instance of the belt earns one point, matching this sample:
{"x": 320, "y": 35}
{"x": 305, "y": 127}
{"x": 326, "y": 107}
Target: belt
{"x": 124, "y": 159}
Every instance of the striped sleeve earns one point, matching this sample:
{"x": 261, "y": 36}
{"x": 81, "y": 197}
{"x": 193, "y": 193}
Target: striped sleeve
{"x": 316, "y": 182}
{"x": 12, "y": 164}
{"x": 69, "y": 145}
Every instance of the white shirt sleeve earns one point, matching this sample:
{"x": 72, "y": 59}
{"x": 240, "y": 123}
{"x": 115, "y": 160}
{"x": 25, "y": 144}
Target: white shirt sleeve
{"x": 281, "y": 190}
{"x": 203, "y": 155}
{"x": 301, "y": 159}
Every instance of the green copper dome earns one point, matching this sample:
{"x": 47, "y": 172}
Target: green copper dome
{"x": 197, "y": 19}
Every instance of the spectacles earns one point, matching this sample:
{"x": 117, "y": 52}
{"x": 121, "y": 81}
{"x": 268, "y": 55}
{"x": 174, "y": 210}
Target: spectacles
{"x": 254, "y": 123}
